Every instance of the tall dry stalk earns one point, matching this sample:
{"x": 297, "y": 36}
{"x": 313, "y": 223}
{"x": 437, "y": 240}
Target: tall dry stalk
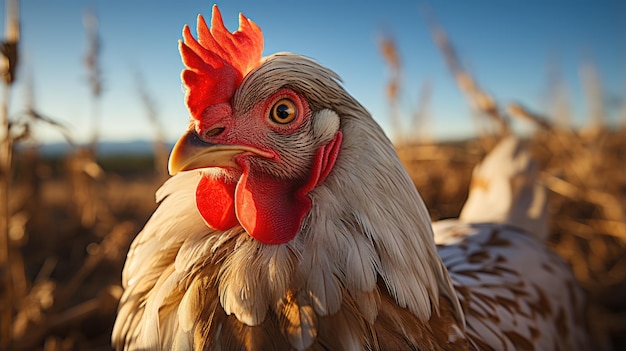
{"x": 92, "y": 62}
{"x": 622, "y": 115}
{"x": 479, "y": 99}
{"x": 420, "y": 123}
{"x": 6, "y": 302}
{"x": 558, "y": 97}
{"x": 159, "y": 145}
{"x": 391, "y": 55}
{"x": 593, "y": 97}
{"x": 521, "y": 112}
{"x": 84, "y": 167}
{"x": 9, "y": 68}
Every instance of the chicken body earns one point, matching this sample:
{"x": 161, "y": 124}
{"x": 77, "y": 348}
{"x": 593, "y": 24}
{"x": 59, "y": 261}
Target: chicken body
{"x": 359, "y": 269}
{"x": 516, "y": 293}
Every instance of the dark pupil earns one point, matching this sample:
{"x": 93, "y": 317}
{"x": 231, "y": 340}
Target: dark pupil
{"x": 283, "y": 111}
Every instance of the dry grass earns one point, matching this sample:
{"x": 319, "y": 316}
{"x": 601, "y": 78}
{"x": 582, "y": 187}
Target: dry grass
{"x": 72, "y": 271}
{"x": 9, "y": 271}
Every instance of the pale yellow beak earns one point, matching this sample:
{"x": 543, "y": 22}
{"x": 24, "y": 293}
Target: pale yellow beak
{"x": 190, "y": 152}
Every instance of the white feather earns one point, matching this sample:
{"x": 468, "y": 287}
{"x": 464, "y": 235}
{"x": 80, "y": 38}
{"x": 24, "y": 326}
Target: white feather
{"x": 241, "y": 289}
{"x": 325, "y": 125}
{"x": 505, "y": 189}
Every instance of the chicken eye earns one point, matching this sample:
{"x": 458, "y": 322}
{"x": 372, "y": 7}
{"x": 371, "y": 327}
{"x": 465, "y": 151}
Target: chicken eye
{"x": 283, "y": 111}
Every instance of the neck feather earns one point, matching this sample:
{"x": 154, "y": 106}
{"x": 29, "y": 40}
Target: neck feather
{"x": 369, "y": 217}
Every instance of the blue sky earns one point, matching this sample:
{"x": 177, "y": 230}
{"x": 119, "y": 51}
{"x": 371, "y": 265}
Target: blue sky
{"x": 509, "y": 47}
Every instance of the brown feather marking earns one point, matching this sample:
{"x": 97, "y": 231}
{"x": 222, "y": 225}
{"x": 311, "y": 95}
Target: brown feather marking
{"x": 350, "y": 323}
{"x": 520, "y": 342}
{"x": 479, "y": 344}
{"x": 511, "y": 305}
{"x": 534, "y": 332}
{"x": 541, "y": 306}
{"x": 232, "y": 335}
{"x": 561, "y": 324}
{"x": 471, "y": 274}
{"x": 488, "y": 314}
{"x": 235, "y": 335}
{"x": 496, "y": 240}
{"x": 547, "y": 268}
{"x": 299, "y": 322}
{"x": 266, "y": 336}
{"x": 397, "y": 328}
{"x": 464, "y": 295}
{"x": 478, "y": 257}
{"x": 209, "y": 318}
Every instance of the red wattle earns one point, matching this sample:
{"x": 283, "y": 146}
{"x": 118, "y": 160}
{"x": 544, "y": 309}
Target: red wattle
{"x": 323, "y": 163}
{"x": 271, "y": 210}
{"x": 215, "y": 202}
{"x": 268, "y": 208}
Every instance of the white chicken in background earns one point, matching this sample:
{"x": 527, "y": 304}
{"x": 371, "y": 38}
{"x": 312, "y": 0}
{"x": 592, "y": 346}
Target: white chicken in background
{"x": 498, "y": 262}
{"x": 504, "y": 189}
{"x": 290, "y": 223}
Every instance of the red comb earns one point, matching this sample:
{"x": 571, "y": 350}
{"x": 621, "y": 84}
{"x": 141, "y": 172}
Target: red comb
{"x": 217, "y": 62}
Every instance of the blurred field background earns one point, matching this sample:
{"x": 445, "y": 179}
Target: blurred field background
{"x": 67, "y": 220}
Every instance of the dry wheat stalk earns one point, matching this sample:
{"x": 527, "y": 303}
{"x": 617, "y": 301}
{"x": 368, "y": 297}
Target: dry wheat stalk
{"x": 418, "y": 127}
{"x": 92, "y": 62}
{"x": 519, "y": 111}
{"x": 159, "y": 144}
{"x": 420, "y": 124}
{"x": 557, "y": 97}
{"x": 479, "y": 99}
{"x": 391, "y": 55}
{"x": 593, "y": 97}
{"x": 84, "y": 166}
{"x": 10, "y": 61}
{"x": 50, "y": 305}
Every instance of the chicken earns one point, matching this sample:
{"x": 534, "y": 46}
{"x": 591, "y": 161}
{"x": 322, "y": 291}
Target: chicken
{"x": 290, "y": 223}
{"x": 515, "y": 292}
{"x": 504, "y": 189}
